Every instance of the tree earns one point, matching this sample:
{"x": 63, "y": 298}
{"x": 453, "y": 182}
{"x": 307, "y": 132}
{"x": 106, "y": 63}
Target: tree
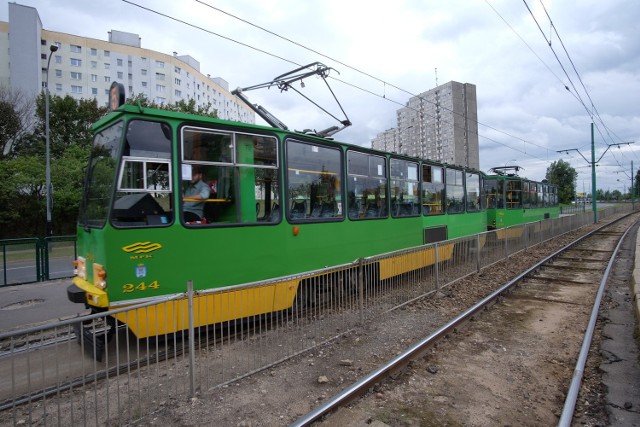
{"x": 16, "y": 119}
{"x": 181, "y": 106}
{"x": 70, "y": 123}
{"x": 22, "y": 176}
{"x": 562, "y": 175}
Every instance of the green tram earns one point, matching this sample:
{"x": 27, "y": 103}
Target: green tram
{"x": 277, "y": 203}
{"x": 513, "y": 200}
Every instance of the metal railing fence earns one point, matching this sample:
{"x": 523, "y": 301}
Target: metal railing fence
{"x": 36, "y": 259}
{"x": 115, "y": 378}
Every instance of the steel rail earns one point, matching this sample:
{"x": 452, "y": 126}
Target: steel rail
{"x": 419, "y": 349}
{"x": 572, "y": 396}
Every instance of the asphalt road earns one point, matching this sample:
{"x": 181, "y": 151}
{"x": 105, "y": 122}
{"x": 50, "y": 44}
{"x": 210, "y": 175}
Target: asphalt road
{"x": 25, "y": 271}
{"x": 31, "y": 304}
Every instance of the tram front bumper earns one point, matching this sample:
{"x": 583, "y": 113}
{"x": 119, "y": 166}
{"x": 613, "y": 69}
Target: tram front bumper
{"x": 84, "y": 292}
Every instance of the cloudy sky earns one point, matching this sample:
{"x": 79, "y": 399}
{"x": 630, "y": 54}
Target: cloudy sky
{"x": 521, "y": 55}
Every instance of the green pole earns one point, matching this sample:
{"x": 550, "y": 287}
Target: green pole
{"x": 594, "y": 204}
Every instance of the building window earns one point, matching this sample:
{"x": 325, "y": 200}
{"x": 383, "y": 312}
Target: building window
{"x": 43, "y": 42}
{"x": 131, "y": 89}
{"x": 43, "y": 56}
{"x": 129, "y": 63}
{"x": 58, "y": 59}
{"x": 130, "y": 76}
{"x": 143, "y": 72}
{"x": 178, "y": 93}
{"x": 177, "y": 81}
{"x": 177, "y": 70}
{"x": 94, "y": 64}
{"x": 160, "y": 100}
{"x": 75, "y": 62}
{"x": 107, "y": 53}
{"x": 143, "y": 59}
{"x": 159, "y": 88}
{"x": 107, "y": 79}
{"x": 59, "y": 87}
{"x": 94, "y": 77}
{"x": 160, "y": 76}
{"x": 75, "y": 48}
{"x": 58, "y": 44}
{"x": 120, "y": 75}
{"x": 58, "y": 73}
{"x": 119, "y": 61}
{"x": 106, "y": 92}
{"x": 144, "y": 84}
{"x": 159, "y": 64}
{"x": 106, "y": 65}
{"x": 94, "y": 51}
{"x": 94, "y": 91}
{"x": 76, "y": 89}
{"x": 76, "y": 76}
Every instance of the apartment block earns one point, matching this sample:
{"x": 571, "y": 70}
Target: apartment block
{"x": 440, "y": 124}
{"x": 85, "y": 68}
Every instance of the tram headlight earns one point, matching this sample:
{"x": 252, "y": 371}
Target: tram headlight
{"x": 99, "y": 276}
{"x": 80, "y": 268}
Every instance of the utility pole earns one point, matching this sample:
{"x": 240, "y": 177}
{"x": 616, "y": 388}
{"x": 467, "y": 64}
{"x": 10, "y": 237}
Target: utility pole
{"x": 594, "y": 203}
{"x": 593, "y": 162}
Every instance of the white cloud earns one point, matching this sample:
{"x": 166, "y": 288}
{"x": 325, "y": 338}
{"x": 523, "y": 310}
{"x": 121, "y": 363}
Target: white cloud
{"x": 521, "y": 94}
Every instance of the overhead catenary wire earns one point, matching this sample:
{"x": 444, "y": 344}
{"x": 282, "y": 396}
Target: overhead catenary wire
{"x": 387, "y": 98}
{"x": 593, "y": 112}
{"x": 384, "y": 96}
{"x": 385, "y": 83}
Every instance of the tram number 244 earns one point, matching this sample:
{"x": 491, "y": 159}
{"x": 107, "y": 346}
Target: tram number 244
{"x": 142, "y": 286}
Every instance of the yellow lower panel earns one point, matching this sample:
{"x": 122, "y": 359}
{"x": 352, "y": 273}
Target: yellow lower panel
{"x": 400, "y": 264}
{"x": 209, "y": 309}
{"x": 509, "y": 233}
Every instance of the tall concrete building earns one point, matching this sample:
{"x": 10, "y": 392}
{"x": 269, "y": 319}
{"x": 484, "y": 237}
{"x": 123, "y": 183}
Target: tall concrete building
{"x": 85, "y": 68}
{"x": 440, "y": 124}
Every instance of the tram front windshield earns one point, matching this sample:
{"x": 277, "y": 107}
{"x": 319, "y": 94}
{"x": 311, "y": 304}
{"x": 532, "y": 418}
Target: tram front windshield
{"x": 136, "y": 168}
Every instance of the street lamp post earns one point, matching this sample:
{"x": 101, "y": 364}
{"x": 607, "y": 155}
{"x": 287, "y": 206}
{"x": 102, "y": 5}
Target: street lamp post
{"x": 49, "y": 229}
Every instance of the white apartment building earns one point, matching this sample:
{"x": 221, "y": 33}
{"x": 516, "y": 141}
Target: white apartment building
{"x": 85, "y": 67}
{"x": 440, "y": 124}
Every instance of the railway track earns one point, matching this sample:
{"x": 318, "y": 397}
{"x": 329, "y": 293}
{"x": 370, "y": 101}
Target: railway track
{"x": 512, "y": 366}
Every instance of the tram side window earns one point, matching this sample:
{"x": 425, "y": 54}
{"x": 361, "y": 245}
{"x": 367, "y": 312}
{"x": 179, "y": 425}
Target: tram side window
{"x": 313, "y": 182}
{"x": 455, "y": 191}
{"x": 367, "y": 186}
{"x": 494, "y": 194}
{"x": 533, "y": 195}
{"x": 526, "y": 196}
{"x": 474, "y": 193}
{"x": 540, "y": 199}
{"x": 432, "y": 190}
{"x": 144, "y": 184}
{"x": 405, "y": 188}
{"x": 228, "y": 178}
{"x": 514, "y": 194}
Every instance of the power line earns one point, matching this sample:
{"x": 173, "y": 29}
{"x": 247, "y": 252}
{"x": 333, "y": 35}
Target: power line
{"x": 385, "y": 83}
{"x": 340, "y": 62}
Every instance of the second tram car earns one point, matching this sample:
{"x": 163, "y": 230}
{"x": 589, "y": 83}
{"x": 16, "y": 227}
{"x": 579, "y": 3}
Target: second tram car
{"x": 513, "y": 200}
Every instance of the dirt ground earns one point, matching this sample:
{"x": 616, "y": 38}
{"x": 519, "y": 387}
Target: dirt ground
{"x": 485, "y": 375}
